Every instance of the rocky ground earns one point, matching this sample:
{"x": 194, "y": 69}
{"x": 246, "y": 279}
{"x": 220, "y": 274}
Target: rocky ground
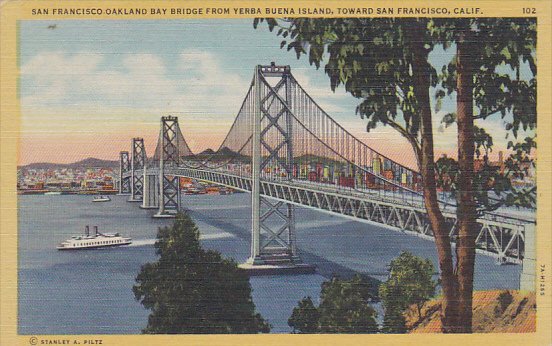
{"x": 499, "y": 311}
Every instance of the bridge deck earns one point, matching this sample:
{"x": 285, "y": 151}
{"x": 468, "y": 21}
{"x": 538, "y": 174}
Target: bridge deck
{"x": 500, "y": 236}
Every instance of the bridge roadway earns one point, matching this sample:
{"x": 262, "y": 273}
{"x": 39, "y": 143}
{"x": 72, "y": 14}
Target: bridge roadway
{"x": 499, "y": 236}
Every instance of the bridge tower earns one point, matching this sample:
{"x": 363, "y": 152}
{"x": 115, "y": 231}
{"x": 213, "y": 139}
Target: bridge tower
{"x": 275, "y": 248}
{"x": 124, "y": 167}
{"x": 138, "y": 162}
{"x": 169, "y": 158}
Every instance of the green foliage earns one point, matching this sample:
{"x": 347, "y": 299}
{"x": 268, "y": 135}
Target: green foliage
{"x": 344, "y": 308}
{"x": 494, "y": 184}
{"x": 410, "y": 282}
{"x": 504, "y": 47}
{"x": 192, "y": 290}
{"x": 394, "y": 322}
{"x": 372, "y": 58}
{"x": 447, "y": 173}
{"x": 305, "y": 317}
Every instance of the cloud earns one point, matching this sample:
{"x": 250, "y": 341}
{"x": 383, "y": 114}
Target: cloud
{"x": 143, "y": 81}
{"x": 45, "y": 66}
{"x": 47, "y": 77}
{"x": 68, "y": 92}
{"x": 211, "y": 88}
{"x": 56, "y": 79}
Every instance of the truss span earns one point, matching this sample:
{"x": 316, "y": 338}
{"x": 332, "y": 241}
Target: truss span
{"x": 498, "y": 236}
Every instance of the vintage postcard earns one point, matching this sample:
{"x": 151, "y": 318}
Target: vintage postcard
{"x": 265, "y": 173}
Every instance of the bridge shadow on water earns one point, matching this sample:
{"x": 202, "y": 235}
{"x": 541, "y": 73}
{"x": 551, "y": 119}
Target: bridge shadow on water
{"x": 339, "y": 247}
{"x": 324, "y": 266}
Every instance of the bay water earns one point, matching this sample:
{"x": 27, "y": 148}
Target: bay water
{"x": 90, "y": 292}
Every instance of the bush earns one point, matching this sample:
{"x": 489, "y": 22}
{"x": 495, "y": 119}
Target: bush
{"x": 344, "y": 308}
{"x": 410, "y": 282}
{"x": 504, "y": 300}
{"x": 394, "y": 322}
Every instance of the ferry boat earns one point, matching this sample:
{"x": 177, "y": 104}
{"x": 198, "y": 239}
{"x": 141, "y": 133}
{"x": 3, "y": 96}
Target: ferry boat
{"x": 96, "y": 241}
{"x": 53, "y": 193}
{"x": 101, "y": 199}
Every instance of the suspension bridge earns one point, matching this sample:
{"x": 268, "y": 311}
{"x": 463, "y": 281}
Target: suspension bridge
{"x": 286, "y": 151}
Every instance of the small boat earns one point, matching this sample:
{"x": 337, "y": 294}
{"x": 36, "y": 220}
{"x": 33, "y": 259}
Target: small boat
{"x": 52, "y": 193}
{"x": 96, "y": 241}
{"x": 101, "y": 199}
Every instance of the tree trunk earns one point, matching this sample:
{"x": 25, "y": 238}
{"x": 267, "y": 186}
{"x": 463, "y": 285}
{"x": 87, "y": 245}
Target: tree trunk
{"x": 420, "y": 67}
{"x": 466, "y": 209}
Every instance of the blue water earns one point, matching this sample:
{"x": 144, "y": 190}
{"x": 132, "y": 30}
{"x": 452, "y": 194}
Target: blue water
{"x": 90, "y": 292}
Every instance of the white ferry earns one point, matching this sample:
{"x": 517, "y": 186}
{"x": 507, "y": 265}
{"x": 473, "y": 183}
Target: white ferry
{"x": 96, "y": 241}
{"x": 101, "y": 199}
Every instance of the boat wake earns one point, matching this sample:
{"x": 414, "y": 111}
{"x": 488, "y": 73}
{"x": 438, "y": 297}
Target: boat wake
{"x": 146, "y": 242}
{"x": 142, "y": 242}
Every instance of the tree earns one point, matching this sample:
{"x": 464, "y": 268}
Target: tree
{"x": 344, "y": 308}
{"x": 410, "y": 282}
{"x": 384, "y": 62}
{"x": 305, "y": 317}
{"x": 394, "y": 321}
{"x": 486, "y": 77}
{"x": 192, "y": 290}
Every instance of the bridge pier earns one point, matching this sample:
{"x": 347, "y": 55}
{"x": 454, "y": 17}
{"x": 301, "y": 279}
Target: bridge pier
{"x": 527, "y": 278}
{"x": 150, "y": 198}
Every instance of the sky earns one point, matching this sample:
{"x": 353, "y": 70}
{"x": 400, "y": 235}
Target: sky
{"x": 88, "y": 86}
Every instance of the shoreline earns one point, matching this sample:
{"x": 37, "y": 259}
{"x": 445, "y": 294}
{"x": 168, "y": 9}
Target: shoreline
{"x": 64, "y": 192}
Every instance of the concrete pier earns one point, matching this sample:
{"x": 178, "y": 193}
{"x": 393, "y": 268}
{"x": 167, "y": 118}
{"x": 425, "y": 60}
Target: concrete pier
{"x": 527, "y": 278}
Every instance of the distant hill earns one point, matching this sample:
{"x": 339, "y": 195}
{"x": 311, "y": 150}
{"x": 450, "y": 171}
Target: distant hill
{"x": 86, "y": 163}
{"x": 221, "y": 155}
{"x": 208, "y": 151}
